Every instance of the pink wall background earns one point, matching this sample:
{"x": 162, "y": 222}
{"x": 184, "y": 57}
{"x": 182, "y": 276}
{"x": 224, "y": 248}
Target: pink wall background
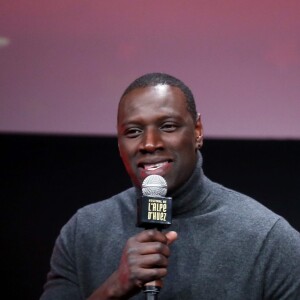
{"x": 65, "y": 63}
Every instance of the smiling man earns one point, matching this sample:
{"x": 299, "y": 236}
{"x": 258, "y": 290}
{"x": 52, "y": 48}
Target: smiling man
{"x": 221, "y": 244}
{"x": 158, "y": 135}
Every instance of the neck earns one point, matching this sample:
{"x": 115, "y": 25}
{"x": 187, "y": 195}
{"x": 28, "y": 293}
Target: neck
{"x": 189, "y": 196}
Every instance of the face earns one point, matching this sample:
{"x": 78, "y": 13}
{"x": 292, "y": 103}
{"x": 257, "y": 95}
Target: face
{"x": 157, "y": 135}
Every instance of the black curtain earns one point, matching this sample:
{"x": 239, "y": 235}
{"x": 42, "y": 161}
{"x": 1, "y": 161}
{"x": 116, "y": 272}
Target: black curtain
{"x": 46, "y": 178}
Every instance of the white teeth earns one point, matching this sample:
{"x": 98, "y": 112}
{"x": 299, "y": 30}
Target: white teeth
{"x": 153, "y": 167}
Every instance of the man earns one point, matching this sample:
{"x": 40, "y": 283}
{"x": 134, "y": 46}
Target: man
{"x": 221, "y": 244}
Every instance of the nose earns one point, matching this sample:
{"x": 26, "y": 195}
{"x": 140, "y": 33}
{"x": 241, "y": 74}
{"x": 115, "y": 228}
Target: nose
{"x": 151, "y": 141}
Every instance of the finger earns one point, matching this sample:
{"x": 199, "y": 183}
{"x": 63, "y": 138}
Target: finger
{"x": 150, "y": 274}
{"x": 152, "y": 261}
{"x": 171, "y": 237}
{"x": 148, "y": 248}
{"x": 151, "y": 235}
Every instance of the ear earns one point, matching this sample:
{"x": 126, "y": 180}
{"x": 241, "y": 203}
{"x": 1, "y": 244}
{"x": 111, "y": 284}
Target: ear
{"x": 199, "y": 132}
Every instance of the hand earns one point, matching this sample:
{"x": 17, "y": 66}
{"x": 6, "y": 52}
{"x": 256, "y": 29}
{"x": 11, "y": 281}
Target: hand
{"x": 144, "y": 259}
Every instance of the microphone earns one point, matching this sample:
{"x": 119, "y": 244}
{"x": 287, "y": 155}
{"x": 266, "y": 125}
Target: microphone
{"x": 154, "y": 211}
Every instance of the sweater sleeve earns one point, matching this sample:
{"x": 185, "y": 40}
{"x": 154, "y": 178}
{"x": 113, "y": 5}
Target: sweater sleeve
{"x": 281, "y": 260}
{"x": 62, "y": 281}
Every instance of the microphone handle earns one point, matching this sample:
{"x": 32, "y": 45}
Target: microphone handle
{"x": 152, "y": 289}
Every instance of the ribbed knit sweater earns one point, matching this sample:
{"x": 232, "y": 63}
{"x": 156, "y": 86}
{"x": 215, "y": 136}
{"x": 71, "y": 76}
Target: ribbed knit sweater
{"x": 229, "y": 246}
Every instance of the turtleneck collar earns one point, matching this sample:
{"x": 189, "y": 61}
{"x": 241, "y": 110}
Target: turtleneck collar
{"x": 190, "y": 196}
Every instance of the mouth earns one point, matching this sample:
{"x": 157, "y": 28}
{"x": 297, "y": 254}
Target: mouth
{"x": 155, "y": 166}
{"x": 159, "y": 168}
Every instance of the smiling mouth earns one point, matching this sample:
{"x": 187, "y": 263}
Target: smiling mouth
{"x": 156, "y": 166}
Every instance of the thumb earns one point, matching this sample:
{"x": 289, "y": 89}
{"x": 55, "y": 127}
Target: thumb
{"x": 171, "y": 236}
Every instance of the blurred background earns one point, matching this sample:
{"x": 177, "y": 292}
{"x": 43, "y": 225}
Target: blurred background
{"x": 64, "y": 65}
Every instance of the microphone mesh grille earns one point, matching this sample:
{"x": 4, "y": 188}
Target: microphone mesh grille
{"x": 154, "y": 185}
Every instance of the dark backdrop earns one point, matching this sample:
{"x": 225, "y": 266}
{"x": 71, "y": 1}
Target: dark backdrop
{"x": 46, "y": 178}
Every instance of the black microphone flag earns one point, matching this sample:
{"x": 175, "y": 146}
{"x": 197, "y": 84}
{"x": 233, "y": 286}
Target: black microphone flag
{"x": 154, "y": 210}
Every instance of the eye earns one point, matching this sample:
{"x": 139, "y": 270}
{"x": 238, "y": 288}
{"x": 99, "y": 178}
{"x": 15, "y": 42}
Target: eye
{"x": 169, "y": 127}
{"x": 132, "y": 132}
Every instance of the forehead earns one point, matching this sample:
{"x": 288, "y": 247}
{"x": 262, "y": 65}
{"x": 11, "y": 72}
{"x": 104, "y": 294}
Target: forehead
{"x": 157, "y": 99}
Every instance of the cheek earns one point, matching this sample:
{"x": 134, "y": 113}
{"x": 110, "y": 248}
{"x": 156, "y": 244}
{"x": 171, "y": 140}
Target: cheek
{"x": 126, "y": 155}
{"x": 186, "y": 144}
{"x": 127, "y": 164}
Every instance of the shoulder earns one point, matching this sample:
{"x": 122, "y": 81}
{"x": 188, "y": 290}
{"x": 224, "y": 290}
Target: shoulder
{"x": 106, "y": 214}
{"x": 245, "y": 213}
{"x": 257, "y": 231}
{"x": 123, "y": 201}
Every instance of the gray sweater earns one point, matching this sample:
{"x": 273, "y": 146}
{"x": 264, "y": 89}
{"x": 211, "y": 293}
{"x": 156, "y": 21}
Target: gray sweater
{"x": 229, "y": 247}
